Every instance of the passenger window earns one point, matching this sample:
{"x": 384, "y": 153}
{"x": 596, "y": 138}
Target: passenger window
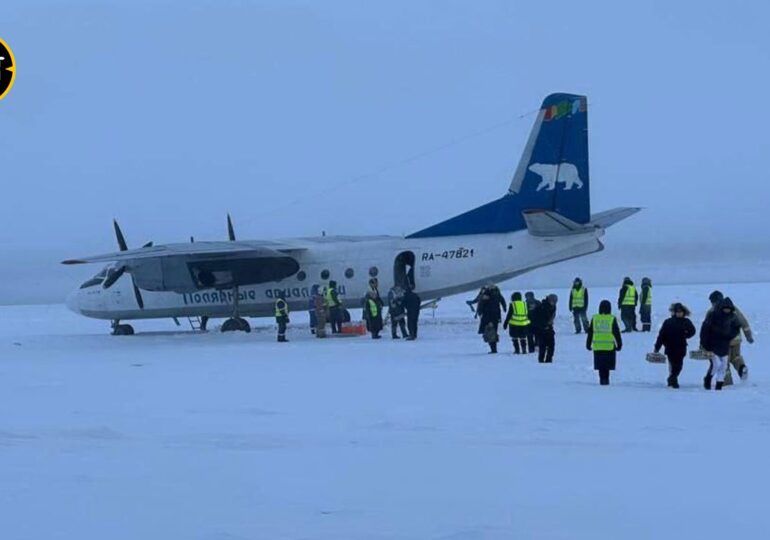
{"x": 373, "y": 271}
{"x": 301, "y": 276}
{"x": 349, "y": 273}
{"x": 325, "y": 274}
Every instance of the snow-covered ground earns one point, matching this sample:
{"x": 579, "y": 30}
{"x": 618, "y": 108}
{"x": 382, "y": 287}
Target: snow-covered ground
{"x": 175, "y": 435}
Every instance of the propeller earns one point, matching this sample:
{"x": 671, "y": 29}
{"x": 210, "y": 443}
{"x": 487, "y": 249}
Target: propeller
{"x": 114, "y": 274}
{"x": 230, "y": 230}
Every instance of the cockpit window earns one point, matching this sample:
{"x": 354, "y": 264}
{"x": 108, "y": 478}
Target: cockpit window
{"x": 97, "y": 279}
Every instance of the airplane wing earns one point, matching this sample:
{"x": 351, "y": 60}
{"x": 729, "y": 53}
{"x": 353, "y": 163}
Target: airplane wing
{"x": 209, "y": 250}
{"x": 185, "y": 268}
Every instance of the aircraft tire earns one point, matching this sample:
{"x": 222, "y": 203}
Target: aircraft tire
{"x": 123, "y": 330}
{"x": 236, "y": 325}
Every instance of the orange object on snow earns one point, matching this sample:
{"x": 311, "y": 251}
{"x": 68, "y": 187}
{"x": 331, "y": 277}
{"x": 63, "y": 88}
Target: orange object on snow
{"x": 356, "y": 329}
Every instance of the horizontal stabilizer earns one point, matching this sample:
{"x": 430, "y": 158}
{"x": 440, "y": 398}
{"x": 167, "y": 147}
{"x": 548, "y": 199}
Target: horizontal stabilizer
{"x": 611, "y": 217}
{"x": 548, "y": 223}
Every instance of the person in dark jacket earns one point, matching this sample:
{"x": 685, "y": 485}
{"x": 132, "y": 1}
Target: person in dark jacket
{"x": 578, "y": 305}
{"x": 281, "y": 316}
{"x": 488, "y": 310}
{"x": 311, "y": 308}
{"x": 517, "y": 321}
{"x": 542, "y": 324}
{"x": 604, "y": 339}
{"x": 627, "y": 300}
{"x": 673, "y": 335}
{"x": 373, "y": 313}
{"x": 412, "y": 305}
{"x": 532, "y": 304}
{"x": 719, "y": 328}
{"x": 645, "y": 305}
{"x": 397, "y": 312}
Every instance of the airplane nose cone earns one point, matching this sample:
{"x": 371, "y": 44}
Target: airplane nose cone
{"x": 73, "y": 301}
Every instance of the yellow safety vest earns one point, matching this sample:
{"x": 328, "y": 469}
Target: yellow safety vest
{"x": 281, "y": 308}
{"x": 329, "y": 298}
{"x": 630, "y": 298}
{"x": 578, "y": 298}
{"x": 603, "y": 339}
{"x": 373, "y": 307}
{"x": 520, "y": 316}
{"x": 648, "y": 301}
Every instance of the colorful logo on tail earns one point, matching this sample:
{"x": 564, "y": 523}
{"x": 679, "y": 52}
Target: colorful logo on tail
{"x": 565, "y": 108}
{"x": 552, "y": 173}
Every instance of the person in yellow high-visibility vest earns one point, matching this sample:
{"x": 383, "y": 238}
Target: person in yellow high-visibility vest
{"x": 627, "y": 300}
{"x": 517, "y": 321}
{"x": 604, "y": 340}
{"x": 281, "y": 316}
{"x": 578, "y": 305}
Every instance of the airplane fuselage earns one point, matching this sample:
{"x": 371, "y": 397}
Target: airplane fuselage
{"x": 441, "y": 266}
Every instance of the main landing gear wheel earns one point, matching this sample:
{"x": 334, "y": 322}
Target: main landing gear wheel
{"x": 123, "y": 330}
{"x": 236, "y": 324}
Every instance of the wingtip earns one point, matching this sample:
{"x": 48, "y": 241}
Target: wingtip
{"x": 73, "y": 261}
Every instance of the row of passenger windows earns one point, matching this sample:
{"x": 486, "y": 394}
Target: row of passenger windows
{"x": 349, "y": 273}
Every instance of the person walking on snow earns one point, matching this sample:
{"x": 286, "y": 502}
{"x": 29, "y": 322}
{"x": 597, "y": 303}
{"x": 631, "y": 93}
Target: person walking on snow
{"x": 735, "y": 357}
{"x": 517, "y": 321}
{"x": 542, "y": 320}
{"x": 673, "y": 335}
{"x": 719, "y": 328}
{"x": 604, "y": 339}
{"x": 488, "y": 309}
{"x": 578, "y": 305}
{"x": 645, "y": 305}
{"x": 627, "y": 300}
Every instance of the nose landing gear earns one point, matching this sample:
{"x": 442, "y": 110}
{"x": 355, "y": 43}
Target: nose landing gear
{"x": 121, "y": 329}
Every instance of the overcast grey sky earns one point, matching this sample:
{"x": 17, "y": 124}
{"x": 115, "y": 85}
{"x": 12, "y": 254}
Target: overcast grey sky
{"x": 169, "y": 114}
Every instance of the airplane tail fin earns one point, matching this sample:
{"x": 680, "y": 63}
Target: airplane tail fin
{"x": 552, "y": 175}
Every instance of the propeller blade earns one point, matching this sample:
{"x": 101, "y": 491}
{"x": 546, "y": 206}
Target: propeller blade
{"x": 230, "y": 230}
{"x": 148, "y": 244}
{"x": 137, "y": 294}
{"x": 119, "y": 234}
{"x": 192, "y": 239}
{"x": 112, "y": 277}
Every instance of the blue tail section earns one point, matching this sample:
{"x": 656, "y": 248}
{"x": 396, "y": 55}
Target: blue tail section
{"x": 552, "y": 175}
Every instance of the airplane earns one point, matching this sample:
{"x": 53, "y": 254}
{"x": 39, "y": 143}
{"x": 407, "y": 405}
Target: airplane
{"x": 542, "y": 219}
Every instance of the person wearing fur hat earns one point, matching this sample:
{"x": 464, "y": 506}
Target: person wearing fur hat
{"x": 673, "y": 335}
{"x": 604, "y": 339}
{"x": 735, "y": 358}
{"x": 719, "y": 328}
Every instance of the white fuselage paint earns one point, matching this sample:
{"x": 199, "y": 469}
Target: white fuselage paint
{"x": 443, "y": 266}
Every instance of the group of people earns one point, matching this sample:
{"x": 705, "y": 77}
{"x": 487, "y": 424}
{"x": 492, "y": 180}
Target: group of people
{"x": 530, "y": 324}
{"x": 529, "y": 321}
{"x": 403, "y": 311}
{"x": 326, "y": 308}
{"x": 628, "y": 300}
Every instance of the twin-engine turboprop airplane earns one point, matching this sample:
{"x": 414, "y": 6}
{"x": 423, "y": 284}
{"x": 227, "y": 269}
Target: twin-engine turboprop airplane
{"x": 544, "y": 218}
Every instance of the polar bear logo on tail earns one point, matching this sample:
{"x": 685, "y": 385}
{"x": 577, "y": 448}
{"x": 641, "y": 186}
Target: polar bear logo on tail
{"x": 551, "y": 174}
